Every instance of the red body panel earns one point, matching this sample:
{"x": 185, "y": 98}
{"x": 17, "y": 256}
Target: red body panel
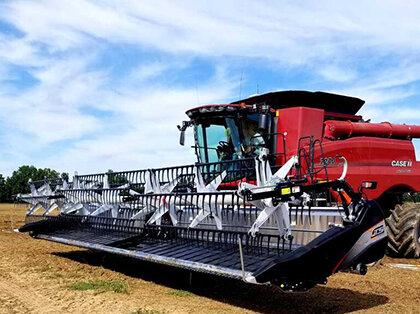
{"x": 296, "y": 123}
{"x": 371, "y": 157}
{"x": 390, "y": 162}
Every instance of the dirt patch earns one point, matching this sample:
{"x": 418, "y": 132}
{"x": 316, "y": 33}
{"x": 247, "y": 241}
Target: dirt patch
{"x": 37, "y": 277}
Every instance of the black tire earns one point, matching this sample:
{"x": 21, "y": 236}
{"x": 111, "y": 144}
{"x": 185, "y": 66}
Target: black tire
{"x": 403, "y": 227}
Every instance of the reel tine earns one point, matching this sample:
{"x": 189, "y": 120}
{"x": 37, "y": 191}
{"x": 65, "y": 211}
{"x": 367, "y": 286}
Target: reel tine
{"x": 309, "y": 214}
{"x": 301, "y": 215}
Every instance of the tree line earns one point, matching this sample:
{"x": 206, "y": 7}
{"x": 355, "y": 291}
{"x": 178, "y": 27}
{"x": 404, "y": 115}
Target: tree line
{"x": 18, "y": 181}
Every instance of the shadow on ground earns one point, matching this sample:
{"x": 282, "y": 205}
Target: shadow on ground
{"x": 265, "y": 299}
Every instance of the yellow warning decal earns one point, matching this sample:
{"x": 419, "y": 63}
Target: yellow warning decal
{"x": 285, "y": 191}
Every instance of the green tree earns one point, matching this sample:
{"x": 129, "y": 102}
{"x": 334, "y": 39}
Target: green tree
{"x": 65, "y": 176}
{"x": 3, "y": 191}
{"x": 18, "y": 181}
{"x": 46, "y": 173}
{"x": 116, "y": 179}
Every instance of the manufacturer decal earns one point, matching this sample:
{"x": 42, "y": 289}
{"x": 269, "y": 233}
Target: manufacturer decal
{"x": 404, "y": 171}
{"x": 377, "y": 231}
{"x": 327, "y": 161}
{"x": 401, "y": 163}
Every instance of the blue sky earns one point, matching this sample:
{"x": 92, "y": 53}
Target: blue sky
{"x": 97, "y": 85}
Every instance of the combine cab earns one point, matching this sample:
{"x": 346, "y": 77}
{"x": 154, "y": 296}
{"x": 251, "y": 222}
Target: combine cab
{"x": 271, "y": 199}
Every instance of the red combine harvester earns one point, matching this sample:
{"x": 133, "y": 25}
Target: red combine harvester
{"x": 288, "y": 189}
{"x": 378, "y": 152}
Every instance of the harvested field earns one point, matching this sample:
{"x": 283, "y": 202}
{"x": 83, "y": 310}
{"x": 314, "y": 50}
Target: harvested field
{"x": 43, "y": 277}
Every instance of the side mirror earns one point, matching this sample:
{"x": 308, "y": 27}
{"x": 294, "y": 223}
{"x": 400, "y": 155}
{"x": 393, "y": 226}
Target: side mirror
{"x": 185, "y": 125}
{"x": 264, "y": 123}
{"x": 182, "y": 138}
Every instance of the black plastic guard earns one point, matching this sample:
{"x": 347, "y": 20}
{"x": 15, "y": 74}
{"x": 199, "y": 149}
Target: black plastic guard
{"x": 48, "y": 225}
{"x": 337, "y": 249}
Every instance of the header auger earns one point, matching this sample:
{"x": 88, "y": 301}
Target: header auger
{"x": 270, "y": 200}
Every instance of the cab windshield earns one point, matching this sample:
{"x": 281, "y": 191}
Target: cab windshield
{"x": 224, "y": 139}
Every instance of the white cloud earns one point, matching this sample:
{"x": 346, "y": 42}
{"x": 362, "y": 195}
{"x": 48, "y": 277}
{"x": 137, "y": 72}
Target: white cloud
{"x": 62, "y": 42}
{"x": 141, "y": 130}
{"x": 295, "y": 30}
{"x": 147, "y": 136}
{"x": 18, "y": 51}
{"x": 334, "y": 73}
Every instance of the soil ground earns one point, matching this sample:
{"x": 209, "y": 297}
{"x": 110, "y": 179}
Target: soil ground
{"x": 43, "y": 277}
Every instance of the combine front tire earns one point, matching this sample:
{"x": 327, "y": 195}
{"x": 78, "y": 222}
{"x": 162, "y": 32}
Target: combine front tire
{"x": 403, "y": 226}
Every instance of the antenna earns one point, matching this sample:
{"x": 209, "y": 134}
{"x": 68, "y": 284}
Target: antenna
{"x": 198, "y": 98}
{"x": 240, "y": 85}
{"x": 258, "y": 84}
{"x": 196, "y": 91}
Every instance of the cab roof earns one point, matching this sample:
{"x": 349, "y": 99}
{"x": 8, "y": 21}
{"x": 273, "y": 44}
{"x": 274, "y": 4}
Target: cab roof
{"x": 299, "y": 98}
